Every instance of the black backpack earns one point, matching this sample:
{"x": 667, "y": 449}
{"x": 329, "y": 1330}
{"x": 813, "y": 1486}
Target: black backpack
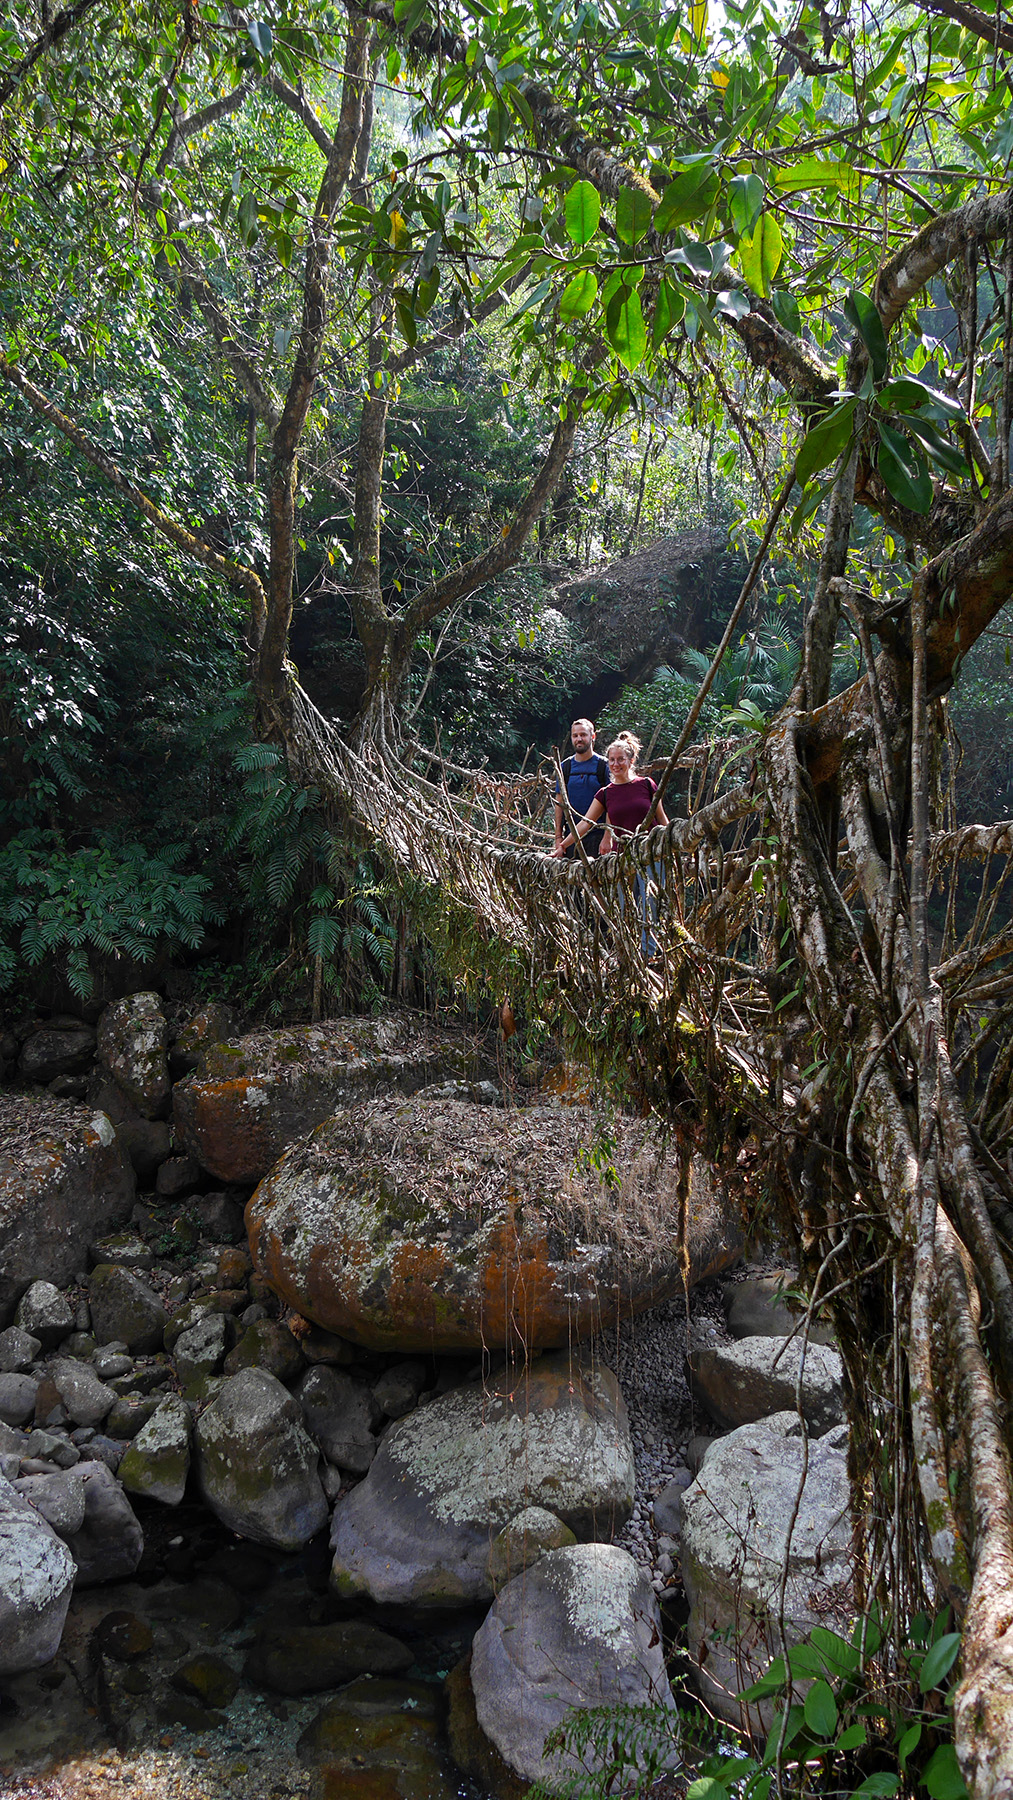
{"x": 602, "y": 771}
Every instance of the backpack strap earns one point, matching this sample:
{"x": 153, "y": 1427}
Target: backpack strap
{"x": 603, "y": 772}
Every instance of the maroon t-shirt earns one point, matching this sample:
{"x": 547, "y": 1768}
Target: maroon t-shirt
{"x": 627, "y": 803}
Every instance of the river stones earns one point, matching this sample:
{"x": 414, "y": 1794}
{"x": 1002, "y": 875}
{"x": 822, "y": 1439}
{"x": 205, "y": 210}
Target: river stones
{"x": 380, "y": 1737}
{"x": 758, "y": 1376}
{"x": 132, "y": 1043}
{"x": 63, "y": 1180}
{"x": 579, "y": 1629}
{"x": 36, "y": 1581}
{"x": 735, "y": 1523}
{"x": 342, "y": 1415}
{"x": 441, "y": 1225}
{"x": 448, "y": 1477}
{"x": 125, "y": 1310}
{"x": 256, "y": 1464}
{"x": 110, "y": 1543}
{"x": 158, "y": 1461}
{"x": 304, "y": 1659}
{"x": 249, "y": 1099}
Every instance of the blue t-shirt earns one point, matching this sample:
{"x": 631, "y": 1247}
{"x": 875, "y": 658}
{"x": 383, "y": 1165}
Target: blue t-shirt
{"x": 583, "y": 781}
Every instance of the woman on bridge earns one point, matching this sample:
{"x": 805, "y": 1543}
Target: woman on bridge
{"x": 625, "y": 803}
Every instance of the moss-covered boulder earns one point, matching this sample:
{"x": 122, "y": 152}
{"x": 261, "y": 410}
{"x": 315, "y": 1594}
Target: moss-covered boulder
{"x": 248, "y": 1099}
{"x": 450, "y": 1476}
{"x": 581, "y": 1629}
{"x": 257, "y": 1466}
{"x": 132, "y": 1043}
{"x": 64, "y": 1179}
{"x": 158, "y": 1461}
{"x": 437, "y": 1224}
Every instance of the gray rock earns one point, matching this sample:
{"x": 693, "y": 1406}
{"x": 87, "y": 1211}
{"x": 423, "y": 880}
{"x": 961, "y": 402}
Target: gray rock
{"x": 111, "y": 1360}
{"x": 212, "y": 1025}
{"x": 399, "y": 1387}
{"x": 147, "y": 1143}
{"x": 69, "y": 1087}
{"x": 125, "y": 1308}
{"x": 523, "y": 1541}
{"x": 158, "y": 1461}
{"x": 51, "y": 1052}
{"x": 696, "y": 1450}
{"x": 758, "y": 1376}
{"x": 221, "y": 1218}
{"x": 86, "y": 1398}
{"x": 341, "y": 1414}
{"x": 125, "y": 1250}
{"x": 50, "y": 1447}
{"x": 303, "y": 1659}
{"x": 12, "y": 1443}
{"x": 104, "y": 1450}
{"x": 110, "y": 1543}
{"x": 178, "y": 1175}
{"x": 266, "y": 1345}
{"x": 667, "y": 1506}
{"x": 132, "y": 1039}
{"x": 44, "y": 1313}
{"x": 59, "y": 1497}
{"x": 18, "y": 1350}
{"x": 36, "y": 1581}
{"x": 130, "y": 1412}
{"x": 200, "y": 1351}
{"x": 580, "y": 1629}
{"x": 256, "y": 1464}
{"x": 17, "y": 1398}
{"x": 447, "y": 1478}
{"x": 753, "y": 1308}
{"x": 67, "y": 1182}
{"x": 735, "y": 1522}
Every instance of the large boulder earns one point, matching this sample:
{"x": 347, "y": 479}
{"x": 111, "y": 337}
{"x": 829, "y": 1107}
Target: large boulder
{"x": 256, "y": 1464}
{"x": 125, "y": 1310}
{"x": 450, "y": 1476}
{"x": 110, "y": 1542}
{"x": 158, "y": 1461}
{"x": 736, "y": 1518}
{"x": 759, "y": 1376}
{"x": 580, "y": 1629}
{"x": 56, "y": 1050}
{"x": 438, "y": 1224}
{"x": 36, "y": 1582}
{"x": 64, "y": 1179}
{"x": 132, "y": 1041}
{"x": 248, "y": 1099}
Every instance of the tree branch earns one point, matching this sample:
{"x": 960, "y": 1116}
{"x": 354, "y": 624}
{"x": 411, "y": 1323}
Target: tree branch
{"x": 55, "y": 30}
{"x": 238, "y": 576}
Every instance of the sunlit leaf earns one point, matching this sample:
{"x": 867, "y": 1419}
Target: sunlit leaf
{"x": 582, "y": 211}
{"x": 760, "y": 252}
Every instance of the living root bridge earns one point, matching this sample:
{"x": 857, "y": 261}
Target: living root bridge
{"x": 768, "y": 991}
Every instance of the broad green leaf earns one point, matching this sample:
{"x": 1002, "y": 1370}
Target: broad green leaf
{"x": 694, "y": 256}
{"x": 909, "y": 1742}
{"x": 825, "y": 441}
{"x": 745, "y": 202}
{"x": 811, "y": 172}
{"x": 879, "y": 1786}
{"x": 261, "y": 36}
{"x": 669, "y": 309}
{"x": 836, "y": 1651}
{"x": 942, "y": 1775}
{"x": 759, "y": 254}
{"x": 939, "y": 1660}
{"x": 805, "y": 1661}
{"x": 863, "y": 314}
{"x": 582, "y": 211}
{"x": 425, "y": 293}
{"x": 937, "y": 447}
{"x": 905, "y": 394}
{"x": 732, "y": 302}
{"x": 810, "y": 501}
{"x": 770, "y": 1682}
{"x": 687, "y": 197}
{"x": 905, "y": 473}
{"x": 579, "y": 295}
{"x": 406, "y": 322}
{"x": 785, "y": 309}
{"x": 706, "y": 1788}
{"x": 624, "y": 322}
{"x": 634, "y": 212}
{"x": 820, "y": 1710}
{"x": 852, "y": 1737}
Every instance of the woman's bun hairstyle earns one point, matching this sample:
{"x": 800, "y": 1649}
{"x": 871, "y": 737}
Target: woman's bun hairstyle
{"x": 628, "y": 741}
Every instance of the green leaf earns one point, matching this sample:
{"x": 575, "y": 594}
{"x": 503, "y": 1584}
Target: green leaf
{"x": 759, "y": 254}
{"x": 261, "y": 36}
{"x": 634, "y": 212}
{"x": 579, "y": 295}
{"x": 863, "y": 314}
{"x": 852, "y": 1737}
{"x": 878, "y": 1786}
{"x": 820, "y": 1710}
{"x": 785, "y": 310}
{"x": 837, "y": 1653}
{"x": 771, "y": 1682}
{"x": 624, "y": 322}
{"x": 582, "y": 211}
{"x": 746, "y": 195}
{"x": 811, "y": 172}
{"x": 906, "y": 393}
{"x": 706, "y": 1788}
{"x": 904, "y": 470}
{"x": 805, "y": 1661}
{"x": 910, "y": 1741}
{"x": 942, "y": 1775}
{"x": 669, "y": 309}
{"x": 406, "y": 322}
{"x": 825, "y": 441}
{"x": 939, "y": 1661}
{"x": 938, "y": 448}
{"x": 688, "y": 197}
